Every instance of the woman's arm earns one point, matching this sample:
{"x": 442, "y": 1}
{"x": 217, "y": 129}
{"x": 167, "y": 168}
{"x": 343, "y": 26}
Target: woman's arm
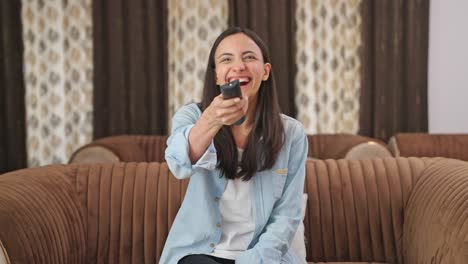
{"x": 191, "y": 145}
{"x": 220, "y": 112}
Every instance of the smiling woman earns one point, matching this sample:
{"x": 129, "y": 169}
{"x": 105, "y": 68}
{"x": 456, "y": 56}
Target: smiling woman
{"x": 239, "y": 58}
{"x": 244, "y": 198}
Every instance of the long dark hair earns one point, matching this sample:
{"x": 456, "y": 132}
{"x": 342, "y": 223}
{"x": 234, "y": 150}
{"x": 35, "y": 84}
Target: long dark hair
{"x": 267, "y": 134}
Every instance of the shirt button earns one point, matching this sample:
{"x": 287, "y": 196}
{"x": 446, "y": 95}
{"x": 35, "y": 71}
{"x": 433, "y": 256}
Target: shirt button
{"x": 212, "y": 245}
{"x": 218, "y": 225}
{"x": 216, "y": 199}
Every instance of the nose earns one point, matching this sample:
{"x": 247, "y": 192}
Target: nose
{"x": 238, "y": 66}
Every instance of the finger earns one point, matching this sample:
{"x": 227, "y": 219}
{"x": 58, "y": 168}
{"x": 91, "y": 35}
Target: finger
{"x": 218, "y": 99}
{"x": 226, "y": 111}
{"x": 230, "y": 102}
{"x": 232, "y": 118}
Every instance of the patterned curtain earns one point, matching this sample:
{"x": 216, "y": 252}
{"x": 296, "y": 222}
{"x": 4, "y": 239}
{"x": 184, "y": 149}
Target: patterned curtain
{"x": 58, "y": 76}
{"x": 328, "y": 65}
{"x": 193, "y": 27}
{"x": 100, "y": 68}
{"x": 12, "y": 112}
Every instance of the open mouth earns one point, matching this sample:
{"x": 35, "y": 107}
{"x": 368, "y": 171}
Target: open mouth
{"x": 243, "y": 80}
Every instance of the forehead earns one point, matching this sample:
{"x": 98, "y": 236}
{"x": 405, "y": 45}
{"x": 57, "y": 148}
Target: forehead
{"x": 237, "y": 43}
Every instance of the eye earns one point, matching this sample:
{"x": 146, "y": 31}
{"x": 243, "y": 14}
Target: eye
{"x": 250, "y": 57}
{"x": 225, "y": 59}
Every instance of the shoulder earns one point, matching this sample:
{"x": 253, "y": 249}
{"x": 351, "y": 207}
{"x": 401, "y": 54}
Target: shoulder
{"x": 191, "y": 111}
{"x": 295, "y": 137}
{"x": 292, "y": 128}
{"x": 190, "y": 108}
{"x": 186, "y": 115}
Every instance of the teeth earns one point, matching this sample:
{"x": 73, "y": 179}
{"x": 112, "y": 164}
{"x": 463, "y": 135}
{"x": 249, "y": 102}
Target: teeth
{"x": 242, "y": 80}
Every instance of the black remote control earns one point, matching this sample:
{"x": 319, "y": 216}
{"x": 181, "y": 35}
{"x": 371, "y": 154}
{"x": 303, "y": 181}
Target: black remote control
{"x": 231, "y": 90}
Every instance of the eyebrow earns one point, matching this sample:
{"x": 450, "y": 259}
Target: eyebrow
{"x": 230, "y": 54}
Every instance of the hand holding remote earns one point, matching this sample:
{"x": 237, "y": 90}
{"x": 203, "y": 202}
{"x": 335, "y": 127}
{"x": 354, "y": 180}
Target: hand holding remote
{"x": 232, "y": 90}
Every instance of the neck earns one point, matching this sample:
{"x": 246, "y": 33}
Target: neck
{"x": 250, "y": 115}
{"x": 242, "y": 132}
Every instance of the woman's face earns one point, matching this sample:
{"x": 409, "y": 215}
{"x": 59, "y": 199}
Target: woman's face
{"x": 239, "y": 57}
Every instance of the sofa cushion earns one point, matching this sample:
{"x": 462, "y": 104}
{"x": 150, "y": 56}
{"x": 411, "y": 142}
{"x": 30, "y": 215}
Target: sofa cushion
{"x": 366, "y": 150}
{"x": 94, "y": 154}
{"x": 3, "y": 255}
{"x": 355, "y": 208}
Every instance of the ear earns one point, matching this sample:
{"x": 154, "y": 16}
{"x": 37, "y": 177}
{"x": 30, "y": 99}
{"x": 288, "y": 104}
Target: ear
{"x": 266, "y": 71}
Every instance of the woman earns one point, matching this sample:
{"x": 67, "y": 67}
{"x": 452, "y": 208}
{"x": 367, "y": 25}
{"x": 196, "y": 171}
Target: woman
{"x": 243, "y": 202}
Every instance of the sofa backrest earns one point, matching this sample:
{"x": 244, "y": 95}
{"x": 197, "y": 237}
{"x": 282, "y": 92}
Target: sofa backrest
{"x": 150, "y": 148}
{"x": 430, "y": 145}
{"x": 124, "y": 148}
{"x": 355, "y": 208}
{"x": 346, "y": 146}
{"x": 129, "y": 209}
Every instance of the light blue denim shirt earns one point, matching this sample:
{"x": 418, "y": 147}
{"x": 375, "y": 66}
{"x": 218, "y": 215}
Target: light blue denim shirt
{"x": 276, "y": 197}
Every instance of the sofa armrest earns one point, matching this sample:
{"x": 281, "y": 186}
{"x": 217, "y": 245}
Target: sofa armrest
{"x": 436, "y": 217}
{"x": 40, "y": 221}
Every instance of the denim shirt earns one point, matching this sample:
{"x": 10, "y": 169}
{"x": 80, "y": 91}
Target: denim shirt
{"x": 276, "y": 197}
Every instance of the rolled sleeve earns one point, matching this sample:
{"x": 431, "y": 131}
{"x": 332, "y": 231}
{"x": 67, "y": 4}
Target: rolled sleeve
{"x": 208, "y": 159}
{"x": 177, "y": 151}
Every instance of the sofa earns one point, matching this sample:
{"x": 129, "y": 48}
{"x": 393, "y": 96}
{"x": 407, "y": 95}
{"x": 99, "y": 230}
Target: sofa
{"x": 151, "y": 148}
{"x": 122, "y": 148}
{"x": 346, "y": 146}
{"x": 391, "y": 210}
{"x": 429, "y": 145}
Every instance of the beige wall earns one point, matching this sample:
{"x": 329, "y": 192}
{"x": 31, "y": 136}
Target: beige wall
{"x": 448, "y": 66}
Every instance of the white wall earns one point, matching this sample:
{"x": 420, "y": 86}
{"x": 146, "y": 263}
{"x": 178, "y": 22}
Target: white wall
{"x": 448, "y": 66}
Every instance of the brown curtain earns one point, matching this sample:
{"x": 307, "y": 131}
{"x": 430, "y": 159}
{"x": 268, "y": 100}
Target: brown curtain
{"x": 130, "y": 67}
{"x": 274, "y": 22}
{"x": 12, "y": 106}
{"x": 394, "y": 67}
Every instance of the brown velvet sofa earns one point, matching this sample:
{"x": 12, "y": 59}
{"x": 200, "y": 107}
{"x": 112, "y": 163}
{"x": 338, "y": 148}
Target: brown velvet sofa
{"x": 122, "y": 148}
{"x": 393, "y": 210}
{"x": 346, "y": 146}
{"x": 429, "y": 145}
{"x": 151, "y": 148}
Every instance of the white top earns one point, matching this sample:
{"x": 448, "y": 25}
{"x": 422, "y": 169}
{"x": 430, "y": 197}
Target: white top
{"x": 236, "y": 218}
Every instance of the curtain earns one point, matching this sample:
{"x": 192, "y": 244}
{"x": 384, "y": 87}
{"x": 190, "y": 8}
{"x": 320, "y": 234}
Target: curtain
{"x": 57, "y": 71}
{"x": 12, "y": 109}
{"x": 193, "y": 27}
{"x": 130, "y": 67}
{"x": 328, "y": 65}
{"x": 274, "y": 22}
{"x": 394, "y": 67}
